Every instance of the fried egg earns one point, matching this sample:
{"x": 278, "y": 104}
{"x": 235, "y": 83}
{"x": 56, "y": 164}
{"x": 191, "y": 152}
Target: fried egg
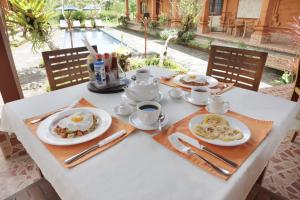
{"x": 81, "y": 121}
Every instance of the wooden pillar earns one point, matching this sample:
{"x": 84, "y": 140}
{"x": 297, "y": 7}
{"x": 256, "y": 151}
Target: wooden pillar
{"x": 261, "y": 33}
{"x": 127, "y": 8}
{"x": 138, "y": 10}
{"x": 4, "y": 4}
{"x": 224, "y": 16}
{"x": 9, "y": 83}
{"x": 153, "y": 8}
{"x": 204, "y": 18}
{"x": 175, "y": 19}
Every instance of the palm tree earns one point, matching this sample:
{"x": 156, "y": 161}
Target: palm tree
{"x": 34, "y": 17}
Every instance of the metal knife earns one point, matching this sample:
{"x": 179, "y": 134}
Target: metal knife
{"x": 196, "y": 144}
{"x": 177, "y": 144}
{"x": 96, "y": 146}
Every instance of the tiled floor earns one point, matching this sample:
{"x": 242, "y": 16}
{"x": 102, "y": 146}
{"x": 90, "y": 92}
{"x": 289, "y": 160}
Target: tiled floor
{"x": 282, "y": 176}
{"x": 16, "y": 174}
{"x": 283, "y": 172}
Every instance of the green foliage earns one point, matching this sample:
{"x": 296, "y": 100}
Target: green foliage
{"x": 164, "y": 19}
{"x": 189, "y": 10}
{"x": 108, "y": 15}
{"x": 123, "y": 21}
{"x": 197, "y": 45}
{"x": 78, "y": 15}
{"x": 242, "y": 45}
{"x": 164, "y": 34}
{"x": 187, "y": 36}
{"x": 286, "y": 78}
{"x": 61, "y": 17}
{"x": 107, "y": 5}
{"x": 153, "y": 25}
{"x": 137, "y": 63}
{"x": 34, "y": 17}
{"x": 132, "y": 6}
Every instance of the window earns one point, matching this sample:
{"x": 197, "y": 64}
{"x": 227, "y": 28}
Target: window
{"x": 215, "y": 7}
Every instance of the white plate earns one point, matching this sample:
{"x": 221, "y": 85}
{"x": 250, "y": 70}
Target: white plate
{"x": 187, "y": 97}
{"x": 136, "y": 122}
{"x": 212, "y": 82}
{"x": 234, "y": 123}
{"x": 45, "y": 133}
{"x": 125, "y": 98}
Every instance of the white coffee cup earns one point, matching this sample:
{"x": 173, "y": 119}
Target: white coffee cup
{"x": 218, "y": 105}
{"x": 148, "y": 112}
{"x": 142, "y": 74}
{"x": 200, "y": 94}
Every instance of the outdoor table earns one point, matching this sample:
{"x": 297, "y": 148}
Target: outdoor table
{"x": 138, "y": 167}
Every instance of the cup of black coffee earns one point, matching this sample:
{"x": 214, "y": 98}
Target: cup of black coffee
{"x": 200, "y": 94}
{"x": 148, "y": 112}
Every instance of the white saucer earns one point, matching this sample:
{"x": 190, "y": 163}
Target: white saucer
{"x": 174, "y": 96}
{"x": 134, "y": 121}
{"x": 187, "y": 97}
{"x": 128, "y": 112}
{"x": 125, "y": 98}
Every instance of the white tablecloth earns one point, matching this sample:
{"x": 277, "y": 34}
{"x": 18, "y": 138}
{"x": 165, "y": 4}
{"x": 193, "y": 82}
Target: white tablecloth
{"x": 138, "y": 168}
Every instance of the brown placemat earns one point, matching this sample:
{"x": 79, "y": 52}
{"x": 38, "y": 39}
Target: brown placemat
{"x": 63, "y": 152}
{"x": 217, "y": 90}
{"x": 238, "y": 154}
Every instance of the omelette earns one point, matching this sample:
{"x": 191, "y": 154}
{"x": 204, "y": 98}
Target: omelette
{"x": 216, "y": 127}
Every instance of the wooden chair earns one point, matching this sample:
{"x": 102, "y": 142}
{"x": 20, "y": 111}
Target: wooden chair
{"x": 240, "y": 66}
{"x": 239, "y": 24}
{"x": 248, "y": 26}
{"x": 66, "y": 67}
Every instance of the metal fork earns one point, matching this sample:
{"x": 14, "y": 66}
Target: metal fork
{"x": 34, "y": 121}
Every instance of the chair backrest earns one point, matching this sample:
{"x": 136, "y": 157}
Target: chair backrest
{"x": 66, "y": 67}
{"x": 240, "y": 66}
{"x": 296, "y": 92}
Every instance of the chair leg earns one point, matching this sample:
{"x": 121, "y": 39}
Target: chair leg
{"x": 294, "y": 136}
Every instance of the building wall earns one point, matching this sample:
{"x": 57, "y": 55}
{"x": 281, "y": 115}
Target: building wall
{"x": 286, "y": 10}
{"x": 232, "y": 7}
{"x": 249, "y": 8}
{"x": 165, "y": 7}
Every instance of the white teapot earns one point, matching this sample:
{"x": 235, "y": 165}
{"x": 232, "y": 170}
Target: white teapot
{"x": 143, "y": 90}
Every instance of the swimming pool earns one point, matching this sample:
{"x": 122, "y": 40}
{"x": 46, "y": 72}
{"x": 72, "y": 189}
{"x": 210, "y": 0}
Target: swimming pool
{"x": 105, "y": 42}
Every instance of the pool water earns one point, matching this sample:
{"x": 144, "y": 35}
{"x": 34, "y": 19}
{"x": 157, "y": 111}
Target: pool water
{"x": 105, "y": 43}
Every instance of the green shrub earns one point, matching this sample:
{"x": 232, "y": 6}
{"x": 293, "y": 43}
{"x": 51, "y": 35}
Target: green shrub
{"x": 286, "y": 78}
{"x": 136, "y": 63}
{"x": 61, "y": 17}
{"x": 108, "y": 15}
{"x": 166, "y": 33}
{"x": 187, "y": 36}
{"x": 153, "y": 25}
{"x": 78, "y": 15}
{"x": 164, "y": 19}
{"x": 242, "y": 45}
{"x": 123, "y": 21}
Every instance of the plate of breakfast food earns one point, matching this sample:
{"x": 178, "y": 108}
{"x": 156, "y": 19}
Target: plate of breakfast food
{"x": 219, "y": 130}
{"x": 74, "y": 126}
{"x": 194, "y": 80}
